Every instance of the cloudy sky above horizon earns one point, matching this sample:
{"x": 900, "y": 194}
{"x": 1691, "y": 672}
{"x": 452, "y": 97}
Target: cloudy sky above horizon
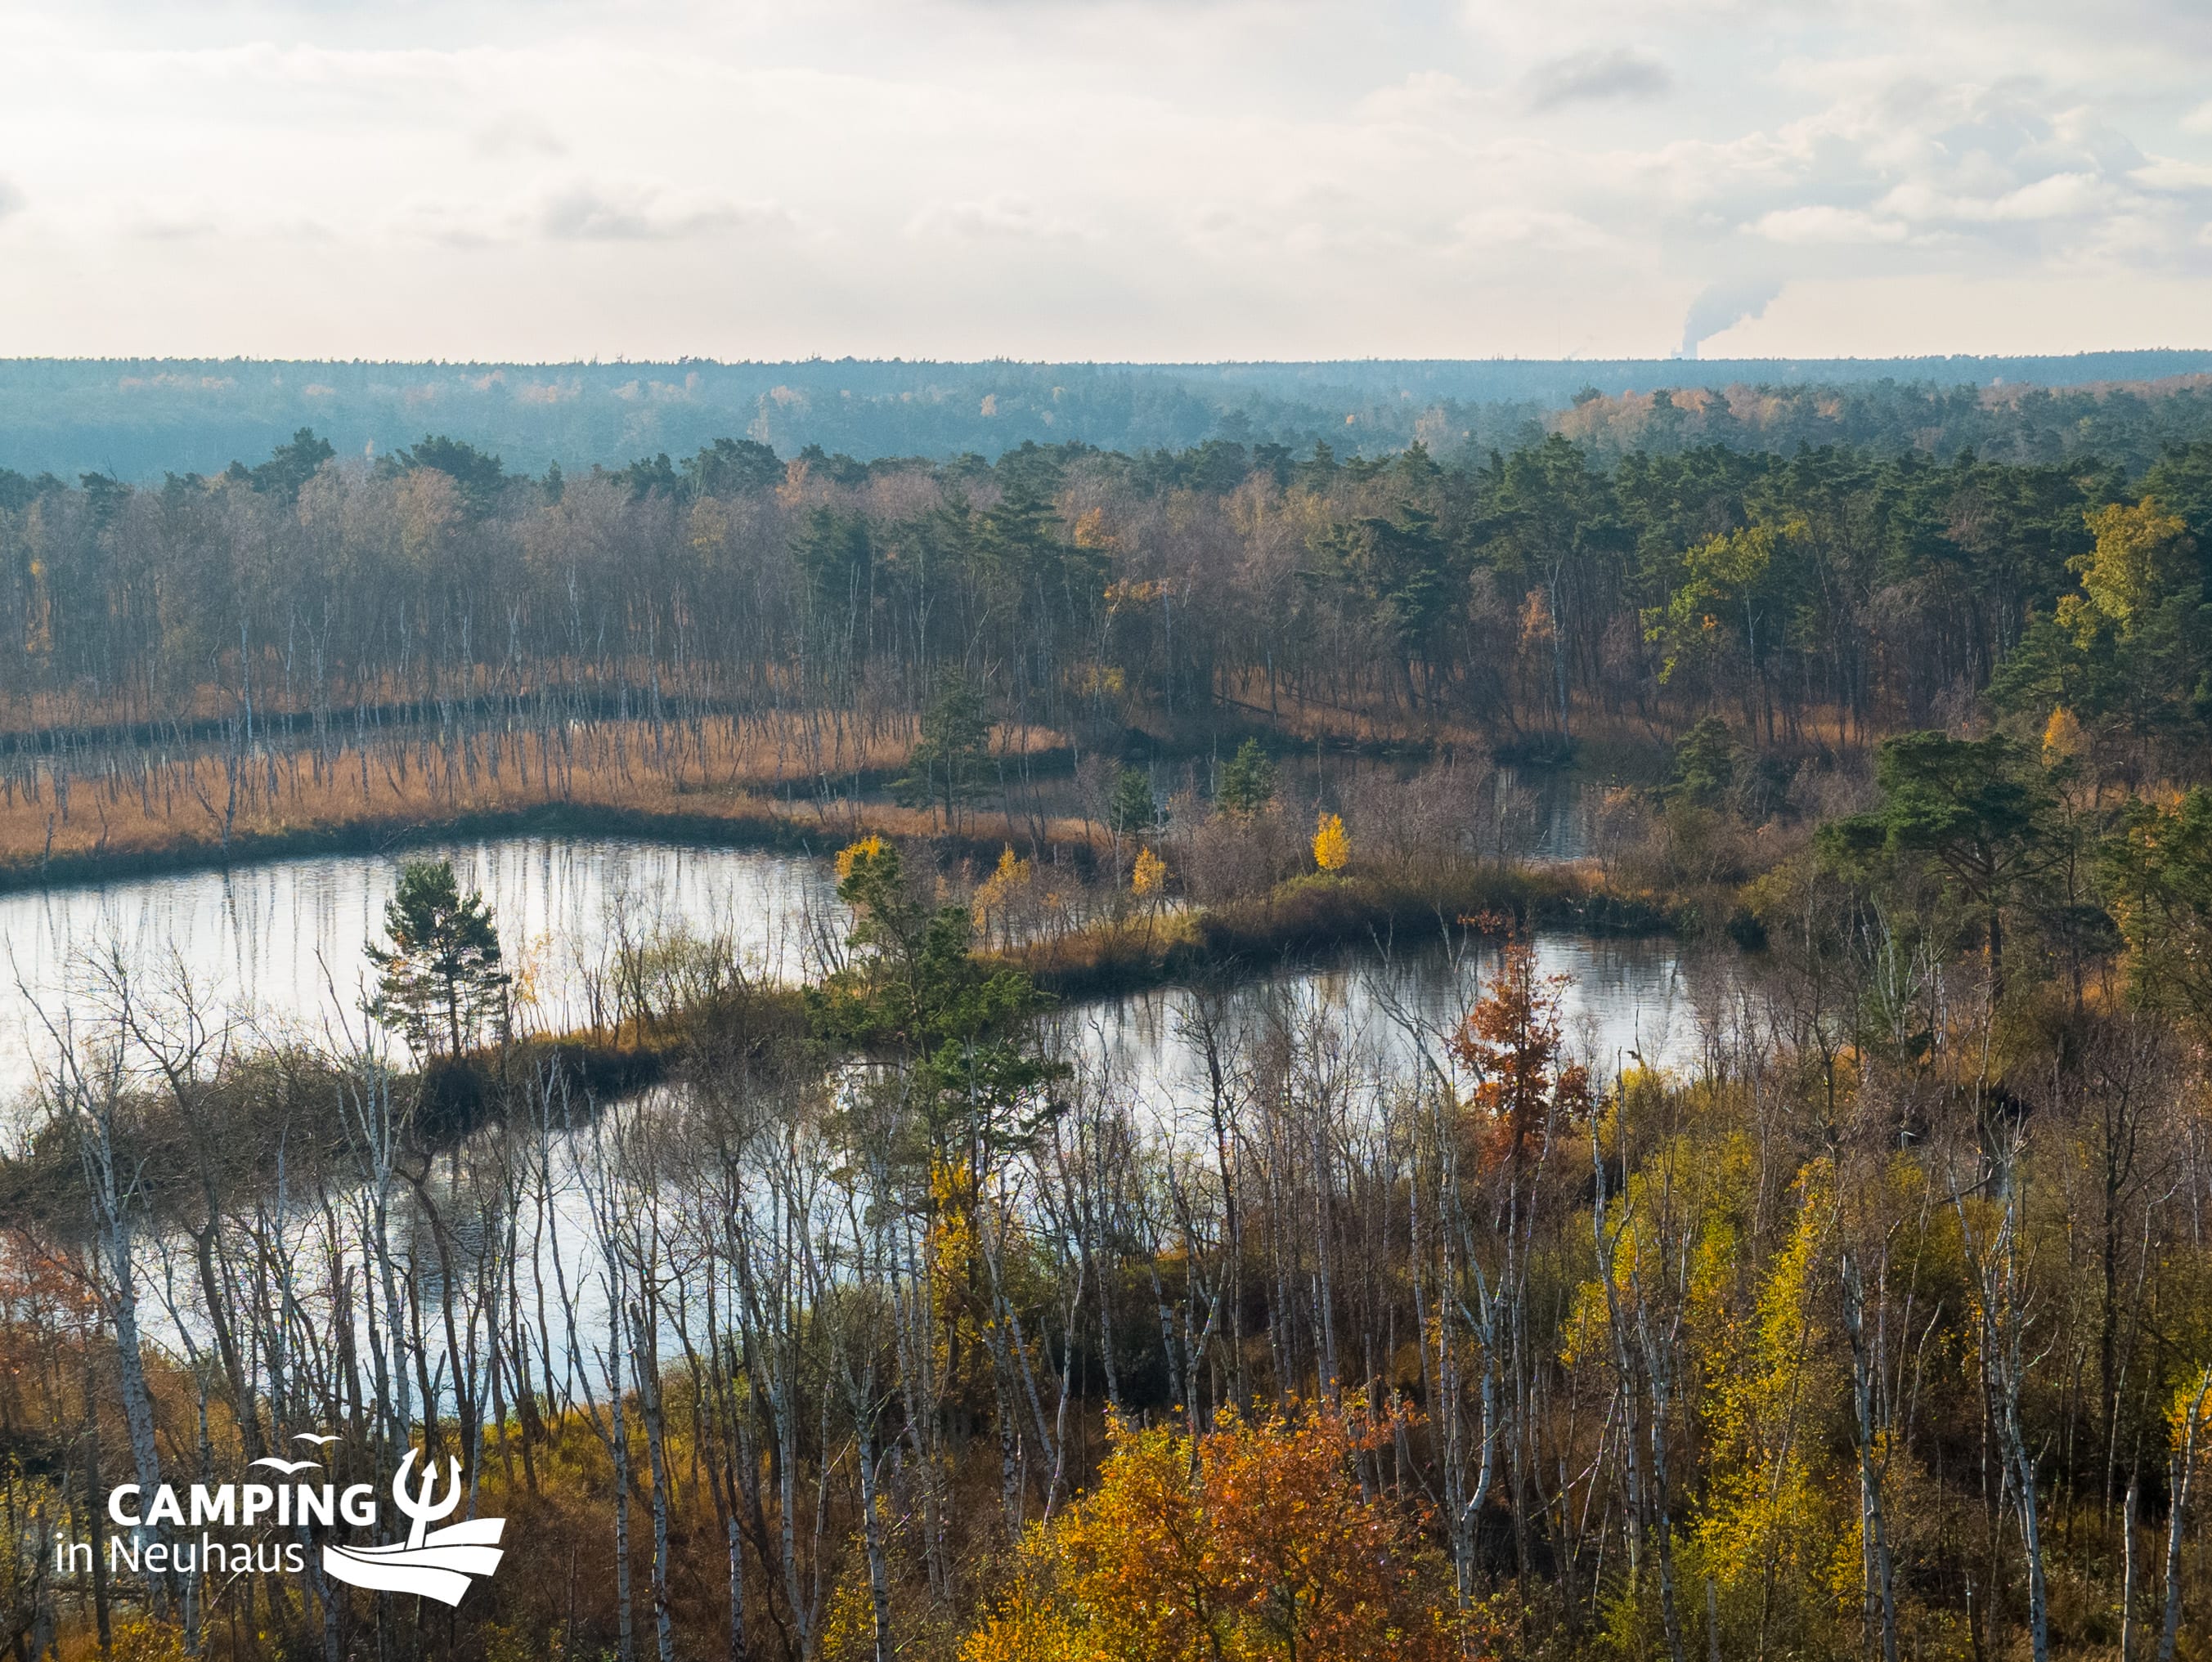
{"x": 1104, "y": 179}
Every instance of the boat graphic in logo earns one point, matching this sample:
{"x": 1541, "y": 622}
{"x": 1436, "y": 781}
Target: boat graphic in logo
{"x": 438, "y": 1564}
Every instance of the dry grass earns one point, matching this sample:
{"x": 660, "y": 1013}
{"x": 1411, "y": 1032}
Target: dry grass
{"x": 1312, "y": 720}
{"x": 1314, "y": 914}
{"x": 1378, "y": 722}
{"x": 1109, "y": 955}
{"x": 770, "y": 779}
{"x": 280, "y": 695}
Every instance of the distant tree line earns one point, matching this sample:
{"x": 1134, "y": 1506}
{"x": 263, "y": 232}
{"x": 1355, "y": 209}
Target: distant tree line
{"x": 141, "y": 418}
{"x": 1810, "y": 598}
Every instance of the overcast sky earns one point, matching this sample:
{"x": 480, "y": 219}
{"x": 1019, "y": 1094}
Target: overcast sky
{"x": 1104, "y": 179}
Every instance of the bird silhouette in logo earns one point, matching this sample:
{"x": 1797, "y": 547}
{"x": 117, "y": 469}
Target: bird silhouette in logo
{"x": 436, "y": 1563}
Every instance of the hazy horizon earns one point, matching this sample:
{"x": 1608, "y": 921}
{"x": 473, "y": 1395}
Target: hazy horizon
{"x": 141, "y": 419}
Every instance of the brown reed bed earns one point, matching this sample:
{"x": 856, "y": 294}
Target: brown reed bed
{"x": 776, "y": 783}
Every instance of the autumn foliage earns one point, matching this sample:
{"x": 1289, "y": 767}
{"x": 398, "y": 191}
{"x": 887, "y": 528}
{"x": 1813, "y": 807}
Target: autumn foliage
{"x": 1332, "y": 845}
{"x": 1259, "y": 1541}
{"x": 1513, "y": 1043}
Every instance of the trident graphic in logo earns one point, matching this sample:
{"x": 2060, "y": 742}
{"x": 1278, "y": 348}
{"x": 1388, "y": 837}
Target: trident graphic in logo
{"x": 435, "y": 1563}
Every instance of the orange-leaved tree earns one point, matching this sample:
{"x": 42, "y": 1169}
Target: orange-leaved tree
{"x": 1256, "y": 1544}
{"x": 1513, "y": 1041}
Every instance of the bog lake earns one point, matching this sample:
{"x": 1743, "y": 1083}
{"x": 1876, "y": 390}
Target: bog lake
{"x": 279, "y": 948}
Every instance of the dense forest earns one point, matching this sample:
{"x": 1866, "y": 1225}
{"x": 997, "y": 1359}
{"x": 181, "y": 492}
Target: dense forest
{"x": 885, "y": 1316}
{"x": 1525, "y": 596}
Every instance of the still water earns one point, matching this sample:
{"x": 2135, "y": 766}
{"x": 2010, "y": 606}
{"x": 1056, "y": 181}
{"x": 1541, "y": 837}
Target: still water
{"x": 1371, "y": 1025}
{"x": 279, "y": 946}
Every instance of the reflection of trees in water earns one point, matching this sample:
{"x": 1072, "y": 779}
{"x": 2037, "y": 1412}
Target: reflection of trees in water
{"x": 588, "y": 927}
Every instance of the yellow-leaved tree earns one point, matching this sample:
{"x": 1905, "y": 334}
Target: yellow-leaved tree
{"x": 2142, "y": 555}
{"x": 857, "y": 855}
{"x": 2061, "y": 737}
{"x": 1332, "y": 847}
{"x": 1149, "y": 875}
{"x": 1774, "y": 1530}
{"x": 1000, "y": 903}
{"x": 1148, "y": 881}
{"x": 2190, "y": 1418}
{"x": 1255, "y": 1544}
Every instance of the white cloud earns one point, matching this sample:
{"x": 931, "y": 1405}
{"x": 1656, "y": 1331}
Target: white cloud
{"x": 1548, "y": 229}
{"x": 519, "y": 133}
{"x": 585, "y": 212}
{"x": 1820, "y": 225}
{"x": 2170, "y": 173}
{"x": 1426, "y": 95}
{"x": 1596, "y": 77}
{"x": 169, "y": 225}
{"x": 588, "y": 211}
{"x": 1087, "y": 178}
{"x": 1007, "y": 218}
{"x": 2055, "y": 195}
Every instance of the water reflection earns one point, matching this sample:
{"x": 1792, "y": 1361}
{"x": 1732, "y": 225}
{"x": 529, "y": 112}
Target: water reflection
{"x": 284, "y": 942}
{"x": 280, "y": 943}
{"x": 1623, "y": 1002}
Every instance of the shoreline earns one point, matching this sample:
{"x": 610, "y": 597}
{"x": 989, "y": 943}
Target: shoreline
{"x": 749, "y": 828}
{"x": 1300, "y": 921}
{"x": 1304, "y": 919}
